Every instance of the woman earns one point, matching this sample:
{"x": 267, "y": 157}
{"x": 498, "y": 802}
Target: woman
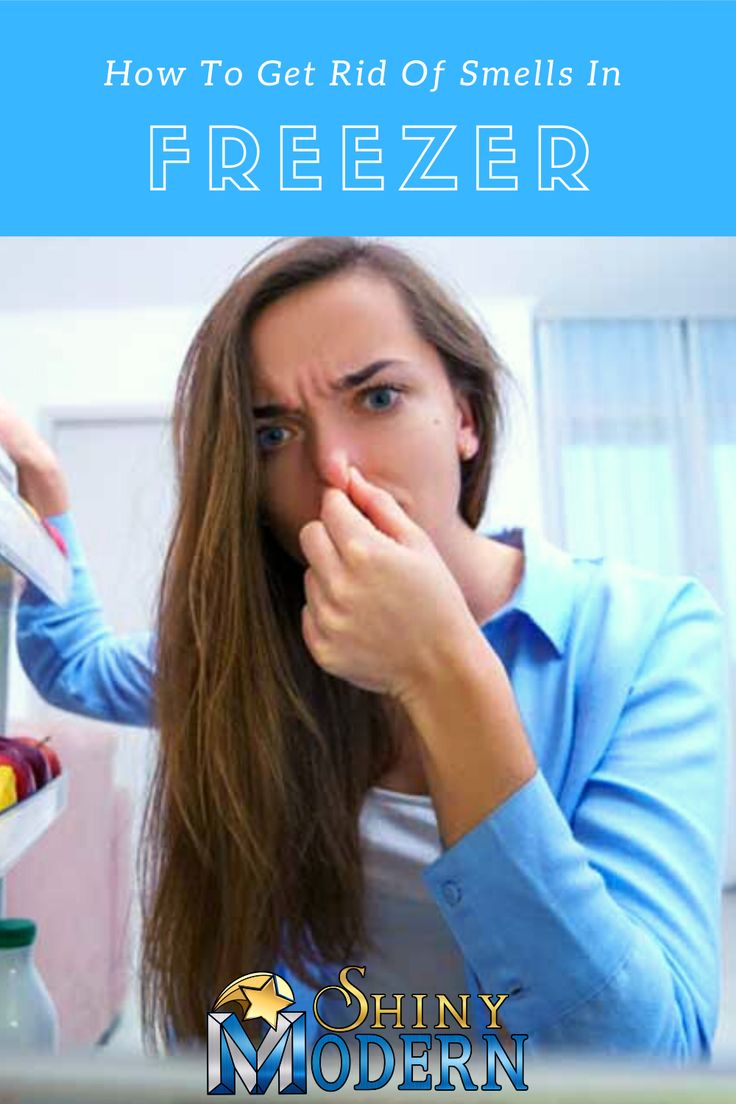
{"x": 473, "y": 764}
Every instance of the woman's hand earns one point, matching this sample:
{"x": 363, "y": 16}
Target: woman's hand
{"x": 385, "y": 612}
{"x": 379, "y": 595}
{"x": 41, "y": 481}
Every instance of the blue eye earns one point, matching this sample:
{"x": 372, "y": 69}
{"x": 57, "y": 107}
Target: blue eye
{"x": 271, "y": 437}
{"x": 383, "y": 397}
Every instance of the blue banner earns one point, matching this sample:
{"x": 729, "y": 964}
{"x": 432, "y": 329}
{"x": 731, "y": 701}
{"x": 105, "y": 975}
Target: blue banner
{"x": 367, "y": 117}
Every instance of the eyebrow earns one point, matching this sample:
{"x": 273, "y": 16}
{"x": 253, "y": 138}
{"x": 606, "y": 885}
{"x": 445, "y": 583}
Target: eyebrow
{"x": 345, "y": 383}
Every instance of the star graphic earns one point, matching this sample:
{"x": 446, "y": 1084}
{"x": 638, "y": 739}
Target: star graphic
{"x": 259, "y": 999}
{"x": 264, "y": 1001}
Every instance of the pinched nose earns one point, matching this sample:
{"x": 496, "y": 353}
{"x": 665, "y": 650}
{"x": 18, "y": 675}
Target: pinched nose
{"x": 331, "y": 463}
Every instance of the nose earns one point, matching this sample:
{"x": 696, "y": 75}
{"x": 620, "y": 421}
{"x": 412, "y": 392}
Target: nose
{"x": 331, "y": 455}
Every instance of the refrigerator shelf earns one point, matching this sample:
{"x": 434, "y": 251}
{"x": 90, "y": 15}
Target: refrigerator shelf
{"x": 23, "y": 824}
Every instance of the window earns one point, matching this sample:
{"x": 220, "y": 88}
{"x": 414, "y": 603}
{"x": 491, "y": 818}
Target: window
{"x": 638, "y": 437}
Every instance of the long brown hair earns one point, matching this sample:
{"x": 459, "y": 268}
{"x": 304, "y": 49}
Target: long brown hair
{"x": 251, "y": 851}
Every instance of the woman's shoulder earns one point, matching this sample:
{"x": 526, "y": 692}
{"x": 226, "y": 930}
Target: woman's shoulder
{"x": 626, "y": 618}
{"x": 604, "y": 599}
{"x": 612, "y": 583}
{"x": 610, "y": 639}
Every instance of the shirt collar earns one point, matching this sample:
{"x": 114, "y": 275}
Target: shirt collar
{"x": 546, "y": 591}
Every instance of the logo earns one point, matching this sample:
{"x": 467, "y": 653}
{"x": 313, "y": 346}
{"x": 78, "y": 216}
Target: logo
{"x": 262, "y": 1000}
{"x": 230, "y": 1049}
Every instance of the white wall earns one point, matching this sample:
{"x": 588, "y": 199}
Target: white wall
{"x": 516, "y": 494}
{"x": 78, "y": 356}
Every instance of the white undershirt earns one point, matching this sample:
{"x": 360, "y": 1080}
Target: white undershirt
{"x": 415, "y": 950}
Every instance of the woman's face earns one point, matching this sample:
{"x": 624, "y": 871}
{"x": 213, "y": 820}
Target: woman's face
{"x": 342, "y": 377}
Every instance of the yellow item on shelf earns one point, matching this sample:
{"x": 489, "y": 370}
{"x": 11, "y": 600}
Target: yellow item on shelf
{"x": 8, "y": 789}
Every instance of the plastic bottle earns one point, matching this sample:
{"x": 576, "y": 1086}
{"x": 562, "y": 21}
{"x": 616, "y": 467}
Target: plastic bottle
{"x": 28, "y": 1019}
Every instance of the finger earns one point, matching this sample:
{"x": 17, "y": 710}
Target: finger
{"x": 347, "y": 527}
{"x": 382, "y": 509}
{"x": 318, "y": 549}
{"x": 313, "y": 638}
{"x": 318, "y": 600}
{"x": 309, "y": 631}
{"x": 323, "y": 576}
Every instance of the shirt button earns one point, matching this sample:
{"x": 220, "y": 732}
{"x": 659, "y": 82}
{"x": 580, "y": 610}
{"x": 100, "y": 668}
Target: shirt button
{"x": 452, "y": 892}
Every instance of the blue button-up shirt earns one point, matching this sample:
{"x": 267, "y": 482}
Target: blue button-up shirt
{"x": 591, "y": 895}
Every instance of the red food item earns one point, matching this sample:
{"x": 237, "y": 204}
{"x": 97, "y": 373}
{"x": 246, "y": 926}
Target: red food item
{"x": 34, "y": 753}
{"x": 51, "y": 757}
{"x": 44, "y": 746}
{"x": 30, "y": 747}
{"x": 24, "y": 779}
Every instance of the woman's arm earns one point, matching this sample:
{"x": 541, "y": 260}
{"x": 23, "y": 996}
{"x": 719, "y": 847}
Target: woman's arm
{"x": 72, "y": 656}
{"x": 69, "y": 653}
{"x": 602, "y": 924}
{"x": 459, "y": 686}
